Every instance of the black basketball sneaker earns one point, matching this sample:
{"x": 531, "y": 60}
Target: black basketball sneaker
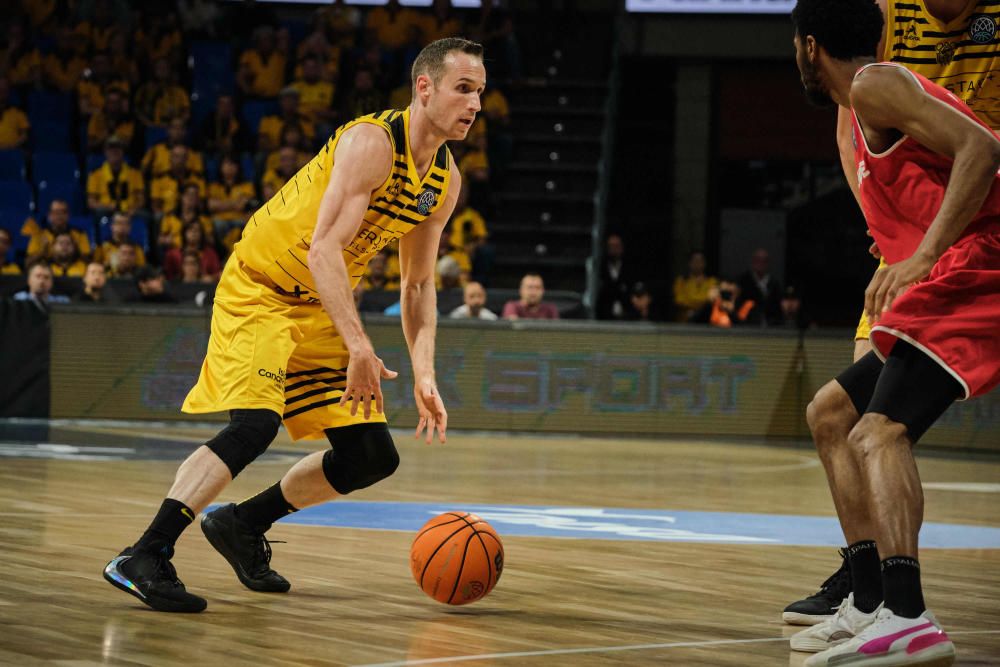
{"x": 151, "y": 577}
{"x": 823, "y": 604}
{"x": 246, "y": 549}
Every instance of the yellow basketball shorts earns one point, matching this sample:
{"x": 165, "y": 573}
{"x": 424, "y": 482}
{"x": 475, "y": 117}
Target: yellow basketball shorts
{"x": 267, "y": 350}
{"x": 864, "y": 330}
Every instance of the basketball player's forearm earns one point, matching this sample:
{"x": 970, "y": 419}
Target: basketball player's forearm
{"x": 418, "y": 304}
{"x": 338, "y": 299}
{"x": 973, "y": 174}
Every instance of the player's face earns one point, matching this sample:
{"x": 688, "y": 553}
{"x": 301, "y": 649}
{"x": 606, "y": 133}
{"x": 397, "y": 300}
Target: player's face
{"x": 454, "y": 100}
{"x": 816, "y": 93}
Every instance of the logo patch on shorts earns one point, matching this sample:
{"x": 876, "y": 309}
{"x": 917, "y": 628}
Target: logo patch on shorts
{"x": 426, "y": 201}
{"x": 278, "y": 376}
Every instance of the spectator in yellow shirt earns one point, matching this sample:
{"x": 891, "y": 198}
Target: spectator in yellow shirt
{"x": 165, "y": 190}
{"x": 113, "y": 119}
{"x": 63, "y": 68}
{"x": 14, "y": 123}
{"x": 262, "y": 69}
{"x": 466, "y": 223}
{"x": 66, "y": 262}
{"x": 222, "y": 132}
{"x": 376, "y": 276}
{"x": 7, "y": 268}
{"x": 364, "y": 97}
{"x": 188, "y": 211}
{"x": 315, "y": 94}
{"x": 156, "y": 161}
{"x": 161, "y": 100}
{"x": 122, "y": 59}
{"x": 42, "y": 238}
{"x": 124, "y": 260}
{"x": 291, "y": 137}
{"x": 275, "y": 179}
{"x": 693, "y": 291}
{"x": 269, "y": 132}
{"x": 121, "y": 235}
{"x": 115, "y": 186}
{"x": 230, "y": 198}
{"x": 326, "y": 49}
{"x": 392, "y": 24}
{"x": 20, "y": 60}
{"x": 441, "y": 22}
{"x": 95, "y": 83}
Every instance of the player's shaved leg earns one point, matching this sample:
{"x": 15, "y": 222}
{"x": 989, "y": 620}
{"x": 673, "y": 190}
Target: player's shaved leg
{"x": 862, "y": 346}
{"x": 891, "y": 483}
{"x": 200, "y": 479}
{"x": 306, "y": 483}
{"x": 831, "y": 415}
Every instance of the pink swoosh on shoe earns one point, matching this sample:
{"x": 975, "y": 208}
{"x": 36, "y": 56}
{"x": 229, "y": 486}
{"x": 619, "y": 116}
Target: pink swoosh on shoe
{"x": 925, "y": 641}
{"x": 882, "y": 644}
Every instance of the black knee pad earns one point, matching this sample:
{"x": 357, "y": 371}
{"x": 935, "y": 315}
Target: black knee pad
{"x": 248, "y": 435}
{"x": 359, "y": 456}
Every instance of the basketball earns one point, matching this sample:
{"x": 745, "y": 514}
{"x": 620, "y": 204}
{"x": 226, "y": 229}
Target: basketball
{"x": 456, "y": 558}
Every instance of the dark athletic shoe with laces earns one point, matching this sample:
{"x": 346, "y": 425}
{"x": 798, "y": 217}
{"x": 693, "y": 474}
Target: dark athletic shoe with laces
{"x": 821, "y": 605}
{"x": 151, "y": 577}
{"x": 246, "y": 549}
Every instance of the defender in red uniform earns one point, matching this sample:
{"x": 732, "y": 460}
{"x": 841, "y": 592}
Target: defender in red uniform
{"x": 930, "y": 190}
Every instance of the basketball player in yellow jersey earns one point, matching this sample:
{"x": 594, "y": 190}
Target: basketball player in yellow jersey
{"x": 287, "y": 343}
{"x": 956, "y": 44}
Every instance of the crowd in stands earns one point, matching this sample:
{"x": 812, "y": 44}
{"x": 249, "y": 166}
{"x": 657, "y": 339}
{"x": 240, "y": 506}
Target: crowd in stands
{"x": 144, "y": 134}
{"x": 755, "y": 298}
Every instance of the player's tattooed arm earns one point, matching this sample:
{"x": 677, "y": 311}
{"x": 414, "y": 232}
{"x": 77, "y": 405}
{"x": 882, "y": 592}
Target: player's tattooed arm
{"x": 363, "y": 161}
{"x": 889, "y": 101}
{"x": 418, "y": 259}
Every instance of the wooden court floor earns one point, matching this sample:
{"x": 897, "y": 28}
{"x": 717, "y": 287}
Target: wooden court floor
{"x": 68, "y": 507}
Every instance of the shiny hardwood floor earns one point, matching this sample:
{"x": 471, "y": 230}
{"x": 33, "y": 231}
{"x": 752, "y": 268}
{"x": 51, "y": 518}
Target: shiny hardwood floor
{"x": 561, "y": 601}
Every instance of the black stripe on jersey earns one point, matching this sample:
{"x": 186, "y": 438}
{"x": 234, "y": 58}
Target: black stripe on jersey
{"x": 356, "y": 256}
{"x": 315, "y": 392}
{"x": 395, "y": 115}
{"x": 904, "y": 5}
{"x": 383, "y": 115}
{"x": 253, "y": 219}
{"x": 401, "y": 164}
{"x": 305, "y": 243}
{"x": 441, "y": 159}
{"x": 314, "y": 371}
{"x": 433, "y": 189}
{"x": 311, "y": 406}
{"x": 297, "y": 259}
{"x": 282, "y": 193}
{"x": 369, "y": 222}
{"x": 293, "y": 277}
{"x": 953, "y": 33}
{"x": 327, "y": 381}
{"x": 383, "y": 211}
{"x": 958, "y": 74}
{"x": 398, "y": 134}
{"x": 965, "y": 43}
{"x": 436, "y": 177}
{"x": 911, "y": 19}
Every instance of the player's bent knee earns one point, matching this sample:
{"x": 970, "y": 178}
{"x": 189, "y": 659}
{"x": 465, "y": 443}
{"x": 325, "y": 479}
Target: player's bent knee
{"x": 359, "y": 456}
{"x": 873, "y": 432}
{"x": 830, "y": 412}
{"x": 249, "y": 434}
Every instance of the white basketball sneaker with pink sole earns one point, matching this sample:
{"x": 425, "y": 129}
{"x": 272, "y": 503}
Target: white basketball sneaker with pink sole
{"x": 892, "y": 641}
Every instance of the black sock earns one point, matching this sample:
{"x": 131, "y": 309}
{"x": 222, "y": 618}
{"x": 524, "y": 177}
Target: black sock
{"x": 866, "y": 575}
{"x": 265, "y": 508}
{"x": 901, "y": 582}
{"x": 168, "y": 524}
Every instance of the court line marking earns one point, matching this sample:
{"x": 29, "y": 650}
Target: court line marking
{"x": 604, "y": 649}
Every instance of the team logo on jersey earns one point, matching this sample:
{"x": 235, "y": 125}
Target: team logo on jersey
{"x": 911, "y": 34}
{"x": 982, "y": 29}
{"x": 393, "y": 190}
{"x": 426, "y": 201}
{"x": 862, "y": 172}
{"x": 945, "y": 51}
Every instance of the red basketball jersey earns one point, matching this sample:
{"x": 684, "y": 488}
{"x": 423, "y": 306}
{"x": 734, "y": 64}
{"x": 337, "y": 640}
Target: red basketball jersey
{"x": 953, "y": 315}
{"x": 902, "y": 187}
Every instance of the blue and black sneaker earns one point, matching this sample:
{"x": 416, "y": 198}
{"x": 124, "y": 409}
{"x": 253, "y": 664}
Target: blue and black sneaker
{"x": 151, "y": 577}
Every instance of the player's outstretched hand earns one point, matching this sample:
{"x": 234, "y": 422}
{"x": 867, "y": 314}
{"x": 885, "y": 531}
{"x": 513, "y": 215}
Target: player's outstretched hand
{"x": 891, "y": 281}
{"x": 365, "y": 373}
{"x": 432, "y": 412}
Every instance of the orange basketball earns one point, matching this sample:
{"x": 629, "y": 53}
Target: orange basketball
{"x": 456, "y": 558}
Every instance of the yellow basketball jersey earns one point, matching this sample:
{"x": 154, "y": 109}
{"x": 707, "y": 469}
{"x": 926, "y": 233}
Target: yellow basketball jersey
{"x": 962, "y": 55}
{"x": 277, "y": 237}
